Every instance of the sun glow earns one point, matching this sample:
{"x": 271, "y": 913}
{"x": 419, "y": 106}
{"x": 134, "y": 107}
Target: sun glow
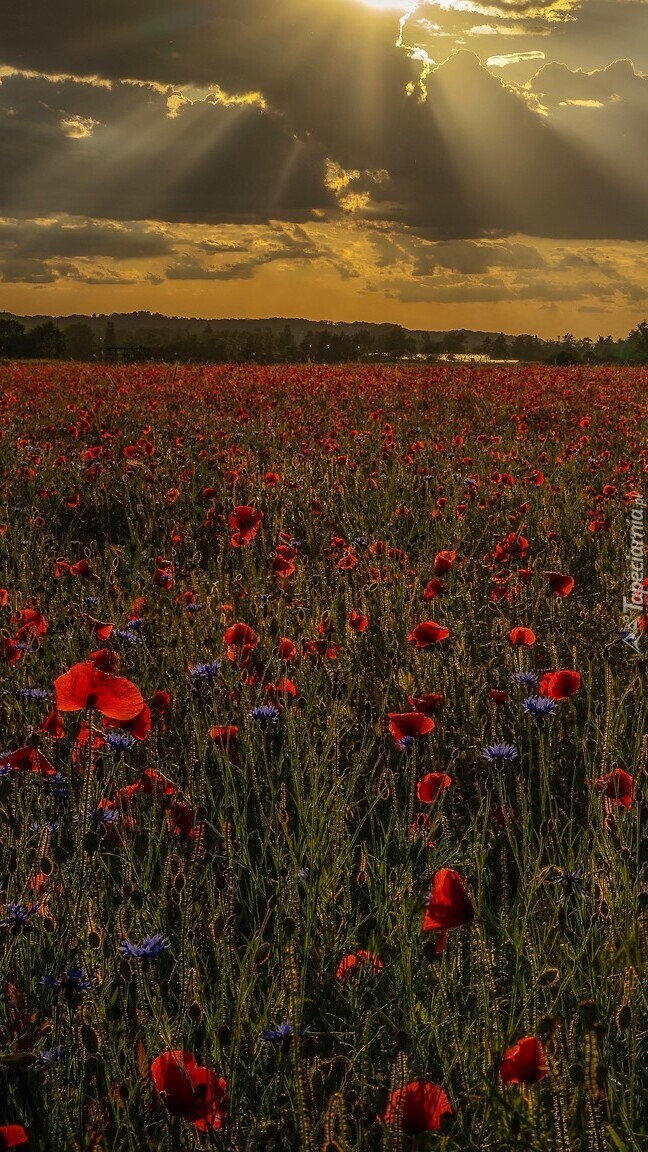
{"x": 394, "y": 5}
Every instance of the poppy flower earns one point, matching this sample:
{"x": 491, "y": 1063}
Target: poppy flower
{"x": 559, "y": 685}
{"x": 618, "y": 787}
{"x": 443, "y": 562}
{"x": 434, "y": 588}
{"x": 431, "y": 786}
{"x": 181, "y": 820}
{"x": 561, "y": 585}
{"x": 524, "y": 1062}
{"x": 188, "y": 1090}
{"x": 154, "y": 783}
{"x": 105, "y": 660}
{"x": 417, "y": 1107}
{"x": 12, "y": 1136}
{"x": 240, "y": 640}
{"x": 499, "y": 695}
{"x": 409, "y": 724}
{"x": 271, "y": 479}
{"x": 286, "y": 650}
{"x": 357, "y": 621}
{"x": 281, "y": 688}
{"x": 428, "y": 704}
{"x": 85, "y": 686}
{"x": 522, "y": 637}
{"x": 357, "y": 962}
{"x": 448, "y": 906}
{"x": 32, "y": 621}
{"x": 245, "y": 522}
{"x": 139, "y": 726}
{"x": 52, "y": 726}
{"x": 284, "y": 561}
{"x": 427, "y": 634}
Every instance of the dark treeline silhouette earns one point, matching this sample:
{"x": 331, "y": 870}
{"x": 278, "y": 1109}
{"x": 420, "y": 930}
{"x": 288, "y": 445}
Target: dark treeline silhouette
{"x": 329, "y": 345}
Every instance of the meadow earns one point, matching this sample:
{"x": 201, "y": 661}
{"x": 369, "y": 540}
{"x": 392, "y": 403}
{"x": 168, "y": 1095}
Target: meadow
{"x": 323, "y": 759}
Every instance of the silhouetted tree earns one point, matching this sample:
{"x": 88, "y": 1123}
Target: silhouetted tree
{"x": 45, "y": 342}
{"x": 81, "y": 342}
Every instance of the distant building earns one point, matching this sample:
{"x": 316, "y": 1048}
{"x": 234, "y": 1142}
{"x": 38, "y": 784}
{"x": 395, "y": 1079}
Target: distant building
{"x": 471, "y": 358}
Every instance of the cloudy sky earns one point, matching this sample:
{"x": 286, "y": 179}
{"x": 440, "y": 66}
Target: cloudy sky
{"x": 435, "y": 163}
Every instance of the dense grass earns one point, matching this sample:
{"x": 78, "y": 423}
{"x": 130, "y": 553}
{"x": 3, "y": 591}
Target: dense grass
{"x": 309, "y": 841}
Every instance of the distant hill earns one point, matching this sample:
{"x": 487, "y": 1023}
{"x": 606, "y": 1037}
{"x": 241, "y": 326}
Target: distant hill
{"x": 192, "y": 325}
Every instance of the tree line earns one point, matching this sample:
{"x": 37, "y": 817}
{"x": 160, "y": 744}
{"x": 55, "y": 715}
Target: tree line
{"x": 265, "y": 345}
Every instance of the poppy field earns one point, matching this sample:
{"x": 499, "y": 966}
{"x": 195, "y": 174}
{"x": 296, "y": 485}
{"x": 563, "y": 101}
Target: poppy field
{"x": 323, "y": 754}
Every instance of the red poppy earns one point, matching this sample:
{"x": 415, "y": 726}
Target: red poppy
{"x": 105, "y": 660}
{"x": 31, "y": 621}
{"x": 499, "y": 695}
{"x": 271, "y": 479}
{"x": 431, "y": 786}
{"x": 428, "y": 704}
{"x": 357, "y": 621}
{"x": 524, "y": 1062}
{"x": 245, "y": 522}
{"x": 522, "y": 637}
{"x": 52, "y": 726}
{"x": 286, "y": 650}
{"x": 240, "y": 640}
{"x": 29, "y": 759}
{"x": 618, "y": 787}
{"x": 357, "y": 962}
{"x": 85, "y": 686}
{"x": 449, "y": 906}
{"x": 181, "y": 820}
{"x": 560, "y": 685}
{"x": 409, "y": 724}
{"x": 281, "y": 688}
{"x": 12, "y": 1135}
{"x": 190, "y": 1091}
{"x": 427, "y": 634}
{"x": 443, "y": 562}
{"x": 417, "y": 1107}
{"x": 139, "y": 726}
{"x": 561, "y": 585}
{"x": 434, "y": 588}
{"x": 154, "y": 783}
{"x": 4, "y": 597}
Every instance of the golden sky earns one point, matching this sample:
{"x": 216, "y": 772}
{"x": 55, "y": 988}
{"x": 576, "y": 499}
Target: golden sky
{"x": 439, "y": 165}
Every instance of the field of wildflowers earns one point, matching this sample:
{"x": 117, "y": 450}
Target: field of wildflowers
{"x": 322, "y": 760}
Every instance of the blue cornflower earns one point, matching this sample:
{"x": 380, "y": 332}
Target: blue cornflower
{"x": 90, "y": 601}
{"x": 150, "y": 948}
{"x": 57, "y": 786}
{"x": 539, "y": 707}
{"x": 204, "y": 673}
{"x": 195, "y": 607}
{"x": 129, "y": 635}
{"x": 360, "y": 541}
{"x": 135, "y": 625}
{"x": 31, "y": 693}
{"x": 76, "y": 982}
{"x": 497, "y": 753}
{"x": 119, "y": 741}
{"x": 99, "y": 816}
{"x": 5, "y": 767}
{"x": 265, "y": 714}
{"x": 50, "y": 1056}
{"x": 52, "y": 827}
{"x": 405, "y": 742}
{"x": 572, "y": 880}
{"x": 628, "y": 636}
{"x": 525, "y": 679}
{"x": 19, "y": 917}
{"x": 283, "y": 1033}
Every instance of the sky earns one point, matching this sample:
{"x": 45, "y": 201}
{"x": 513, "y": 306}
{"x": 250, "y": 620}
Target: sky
{"x": 432, "y": 163}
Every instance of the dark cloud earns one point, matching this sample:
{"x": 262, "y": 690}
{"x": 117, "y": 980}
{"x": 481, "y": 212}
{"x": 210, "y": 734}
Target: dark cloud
{"x": 211, "y": 161}
{"x": 24, "y": 239}
{"x": 455, "y": 154}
